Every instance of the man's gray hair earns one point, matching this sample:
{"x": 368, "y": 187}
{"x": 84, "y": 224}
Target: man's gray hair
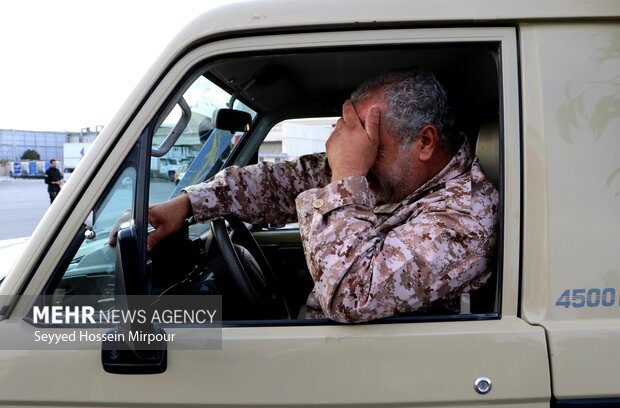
{"x": 414, "y": 98}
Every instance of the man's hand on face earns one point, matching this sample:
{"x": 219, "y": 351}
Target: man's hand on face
{"x": 352, "y": 148}
{"x": 167, "y": 218}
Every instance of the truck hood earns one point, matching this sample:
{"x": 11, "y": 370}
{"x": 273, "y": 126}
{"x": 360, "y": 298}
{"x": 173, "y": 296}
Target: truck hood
{"x": 10, "y": 251}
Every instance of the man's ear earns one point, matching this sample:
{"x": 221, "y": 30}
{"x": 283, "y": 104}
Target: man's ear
{"x": 428, "y": 138}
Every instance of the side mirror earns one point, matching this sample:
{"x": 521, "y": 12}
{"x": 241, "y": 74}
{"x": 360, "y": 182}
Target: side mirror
{"x": 232, "y": 120}
{"x": 130, "y": 276}
{"x": 128, "y": 356}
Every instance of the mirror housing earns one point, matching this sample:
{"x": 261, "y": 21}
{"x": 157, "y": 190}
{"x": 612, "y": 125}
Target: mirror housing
{"x": 126, "y": 356}
{"x": 232, "y": 120}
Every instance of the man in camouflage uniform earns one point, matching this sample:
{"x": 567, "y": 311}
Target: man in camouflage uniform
{"x": 395, "y": 217}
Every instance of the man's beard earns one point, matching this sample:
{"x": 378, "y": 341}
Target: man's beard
{"x": 385, "y": 185}
{"x": 380, "y": 194}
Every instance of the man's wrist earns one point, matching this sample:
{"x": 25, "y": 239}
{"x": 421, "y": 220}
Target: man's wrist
{"x": 339, "y": 175}
{"x": 186, "y": 203}
{"x": 353, "y": 190}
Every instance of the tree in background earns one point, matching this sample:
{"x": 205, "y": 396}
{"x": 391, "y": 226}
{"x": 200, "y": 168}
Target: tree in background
{"x": 31, "y": 155}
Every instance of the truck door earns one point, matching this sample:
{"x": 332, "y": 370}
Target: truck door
{"x": 472, "y": 358}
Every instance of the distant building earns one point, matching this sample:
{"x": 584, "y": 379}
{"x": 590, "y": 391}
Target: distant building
{"x": 291, "y": 138}
{"x": 49, "y": 145}
{"x": 13, "y": 143}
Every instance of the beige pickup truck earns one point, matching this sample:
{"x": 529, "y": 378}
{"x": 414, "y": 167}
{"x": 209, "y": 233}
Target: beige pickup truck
{"x": 536, "y": 87}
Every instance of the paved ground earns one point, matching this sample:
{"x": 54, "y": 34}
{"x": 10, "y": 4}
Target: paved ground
{"x": 22, "y": 205}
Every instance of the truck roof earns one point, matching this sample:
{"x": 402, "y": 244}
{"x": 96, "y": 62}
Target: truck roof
{"x": 264, "y": 14}
{"x": 289, "y": 16}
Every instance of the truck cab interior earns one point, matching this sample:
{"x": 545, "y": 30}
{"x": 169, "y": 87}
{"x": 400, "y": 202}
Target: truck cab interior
{"x": 260, "y": 270}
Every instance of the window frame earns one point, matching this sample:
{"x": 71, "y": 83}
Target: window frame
{"x": 507, "y": 286}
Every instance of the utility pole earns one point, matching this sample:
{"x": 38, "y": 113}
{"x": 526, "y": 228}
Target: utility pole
{"x": 14, "y": 147}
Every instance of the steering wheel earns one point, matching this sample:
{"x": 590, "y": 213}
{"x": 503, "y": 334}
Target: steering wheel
{"x": 249, "y": 269}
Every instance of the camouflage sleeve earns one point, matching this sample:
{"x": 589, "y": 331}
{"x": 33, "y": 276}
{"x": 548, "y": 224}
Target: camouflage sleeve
{"x": 260, "y": 193}
{"x": 362, "y": 273}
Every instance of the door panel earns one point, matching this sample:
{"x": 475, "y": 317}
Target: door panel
{"x": 415, "y": 364}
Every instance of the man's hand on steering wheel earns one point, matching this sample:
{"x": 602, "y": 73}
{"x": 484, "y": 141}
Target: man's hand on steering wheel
{"x": 167, "y": 218}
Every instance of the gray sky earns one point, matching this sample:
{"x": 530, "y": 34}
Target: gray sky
{"x": 70, "y": 64}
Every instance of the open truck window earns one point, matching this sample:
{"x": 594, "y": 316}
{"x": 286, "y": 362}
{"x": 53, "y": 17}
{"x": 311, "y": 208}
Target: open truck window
{"x": 295, "y": 98}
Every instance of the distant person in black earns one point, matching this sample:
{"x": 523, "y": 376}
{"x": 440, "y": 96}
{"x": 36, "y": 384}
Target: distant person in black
{"x": 53, "y": 179}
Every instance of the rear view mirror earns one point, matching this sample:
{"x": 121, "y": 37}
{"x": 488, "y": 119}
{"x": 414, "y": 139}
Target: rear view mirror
{"x": 232, "y": 120}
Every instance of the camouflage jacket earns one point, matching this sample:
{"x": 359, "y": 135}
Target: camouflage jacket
{"x": 369, "y": 260}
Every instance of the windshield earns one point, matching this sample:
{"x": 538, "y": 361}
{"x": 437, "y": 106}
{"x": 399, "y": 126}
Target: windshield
{"x": 201, "y": 150}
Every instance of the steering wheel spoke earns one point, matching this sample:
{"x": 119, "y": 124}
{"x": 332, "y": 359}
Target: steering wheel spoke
{"x": 249, "y": 269}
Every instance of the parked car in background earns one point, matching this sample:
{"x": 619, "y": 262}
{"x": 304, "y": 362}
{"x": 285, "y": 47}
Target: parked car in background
{"x": 180, "y": 173}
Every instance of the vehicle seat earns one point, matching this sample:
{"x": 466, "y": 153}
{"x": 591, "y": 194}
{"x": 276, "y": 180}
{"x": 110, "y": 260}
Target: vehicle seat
{"x": 485, "y": 299}
{"x": 487, "y": 150}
